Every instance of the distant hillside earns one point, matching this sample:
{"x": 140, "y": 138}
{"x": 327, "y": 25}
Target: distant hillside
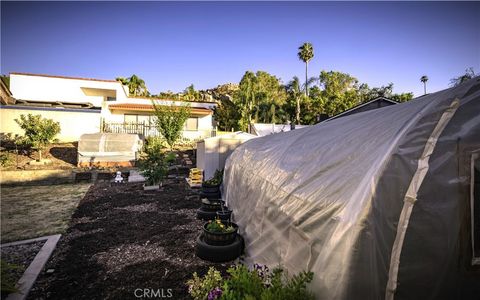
{"x": 221, "y": 92}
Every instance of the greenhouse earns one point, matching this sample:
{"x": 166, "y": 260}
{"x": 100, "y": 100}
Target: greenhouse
{"x": 108, "y": 149}
{"x": 383, "y": 204}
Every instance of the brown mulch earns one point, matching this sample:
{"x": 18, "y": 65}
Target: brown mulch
{"x": 122, "y": 238}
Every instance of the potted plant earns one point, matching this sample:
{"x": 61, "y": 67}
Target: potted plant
{"x": 212, "y": 204}
{"x": 213, "y": 184}
{"x": 219, "y": 233}
{"x": 224, "y": 214}
{"x": 153, "y": 165}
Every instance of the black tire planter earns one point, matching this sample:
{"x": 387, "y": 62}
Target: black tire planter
{"x": 219, "y": 238}
{"x": 206, "y": 188}
{"x": 216, "y": 195}
{"x": 214, "y": 253}
{"x": 224, "y": 215}
{"x": 214, "y": 205}
{"x": 206, "y": 215}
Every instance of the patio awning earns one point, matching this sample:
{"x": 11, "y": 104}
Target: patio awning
{"x": 149, "y": 108}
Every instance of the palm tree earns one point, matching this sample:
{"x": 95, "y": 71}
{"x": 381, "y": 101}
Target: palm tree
{"x": 305, "y": 54}
{"x": 295, "y": 90}
{"x": 136, "y": 85}
{"x": 424, "y": 79}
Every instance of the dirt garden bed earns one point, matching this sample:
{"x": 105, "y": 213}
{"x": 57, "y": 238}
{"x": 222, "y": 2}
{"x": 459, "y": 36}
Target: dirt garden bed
{"x": 62, "y": 156}
{"x": 122, "y": 239}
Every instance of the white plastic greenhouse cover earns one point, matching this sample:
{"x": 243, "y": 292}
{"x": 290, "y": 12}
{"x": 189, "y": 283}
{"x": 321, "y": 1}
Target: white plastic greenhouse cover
{"x": 376, "y": 204}
{"x": 101, "y": 144}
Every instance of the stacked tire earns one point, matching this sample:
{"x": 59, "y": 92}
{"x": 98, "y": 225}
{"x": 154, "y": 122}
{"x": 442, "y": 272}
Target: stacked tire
{"x": 219, "y": 249}
{"x": 208, "y": 211}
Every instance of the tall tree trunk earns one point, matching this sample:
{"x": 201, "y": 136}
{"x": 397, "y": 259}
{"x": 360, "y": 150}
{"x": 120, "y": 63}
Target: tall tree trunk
{"x": 39, "y": 154}
{"x": 297, "y": 115}
{"x": 425, "y": 88}
{"x": 306, "y": 79}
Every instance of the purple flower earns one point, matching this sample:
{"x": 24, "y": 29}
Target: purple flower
{"x": 215, "y": 294}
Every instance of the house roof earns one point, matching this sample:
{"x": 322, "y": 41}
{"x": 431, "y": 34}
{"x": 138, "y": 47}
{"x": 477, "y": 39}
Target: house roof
{"x": 149, "y": 107}
{"x": 169, "y": 99}
{"x": 63, "y": 77}
{"x": 361, "y": 105}
{"x": 43, "y": 103}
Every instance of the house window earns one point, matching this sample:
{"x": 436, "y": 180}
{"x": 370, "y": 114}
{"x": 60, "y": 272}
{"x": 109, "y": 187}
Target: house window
{"x": 143, "y": 119}
{"x": 191, "y": 124}
{"x": 130, "y": 118}
{"x": 475, "y": 207}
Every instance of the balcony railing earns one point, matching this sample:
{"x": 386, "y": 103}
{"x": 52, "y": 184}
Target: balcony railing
{"x": 149, "y": 130}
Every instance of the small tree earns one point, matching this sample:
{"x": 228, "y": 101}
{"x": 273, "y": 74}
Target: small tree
{"x": 170, "y": 120}
{"x": 39, "y": 132}
{"x": 153, "y": 164}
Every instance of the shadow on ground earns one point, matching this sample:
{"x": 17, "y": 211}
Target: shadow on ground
{"x": 121, "y": 239}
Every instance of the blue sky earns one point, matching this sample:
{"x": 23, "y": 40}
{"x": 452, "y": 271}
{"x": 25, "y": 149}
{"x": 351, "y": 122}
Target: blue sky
{"x": 173, "y": 44}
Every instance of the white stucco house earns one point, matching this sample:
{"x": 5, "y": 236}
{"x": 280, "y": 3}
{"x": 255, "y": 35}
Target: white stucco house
{"x": 85, "y": 105}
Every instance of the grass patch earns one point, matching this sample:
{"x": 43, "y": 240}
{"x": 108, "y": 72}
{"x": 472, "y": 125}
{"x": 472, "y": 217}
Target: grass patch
{"x": 33, "y": 211}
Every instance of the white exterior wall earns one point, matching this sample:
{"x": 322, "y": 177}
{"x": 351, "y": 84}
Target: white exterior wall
{"x": 77, "y": 90}
{"x": 72, "y": 123}
{"x": 213, "y": 152}
{"x": 204, "y": 122}
{"x": 44, "y": 88}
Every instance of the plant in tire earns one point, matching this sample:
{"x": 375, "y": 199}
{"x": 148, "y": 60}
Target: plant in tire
{"x": 39, "y": 132}
{"x": 215, "y": 180}
{"x": 256, "y": 283}
{"x": 218, "y": 227}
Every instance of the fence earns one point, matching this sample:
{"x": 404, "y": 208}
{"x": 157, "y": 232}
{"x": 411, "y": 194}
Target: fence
{"x": 149, "y": 130}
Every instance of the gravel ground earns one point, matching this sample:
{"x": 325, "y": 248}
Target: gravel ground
{"x": 122, "y": 238}
{"x": 21, "y": 256}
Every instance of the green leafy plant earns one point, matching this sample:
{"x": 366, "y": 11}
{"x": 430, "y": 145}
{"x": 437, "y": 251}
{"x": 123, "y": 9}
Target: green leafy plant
{"x": 5, "y": 159}
{"x": 218, "y": 227}
{"x": 257, "y": 283}
{"x": 170, "y": 120}
{"x": 216, "y": 179}
{"x": 8, "y": 282}
{"x": 153, "y": 164}
{"x": 39, "y": 132}
{"x": 200, "y": 287}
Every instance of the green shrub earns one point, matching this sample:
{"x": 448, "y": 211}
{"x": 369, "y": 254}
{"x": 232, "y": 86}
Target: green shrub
{"x": 153, "y": 164}
{"x": 258, "y": 283}
{"x": 199, "y": 288}
{"x": 216, "y": 179}
{"x": 39, "y": 132}
{"x": 5, "y": 159}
